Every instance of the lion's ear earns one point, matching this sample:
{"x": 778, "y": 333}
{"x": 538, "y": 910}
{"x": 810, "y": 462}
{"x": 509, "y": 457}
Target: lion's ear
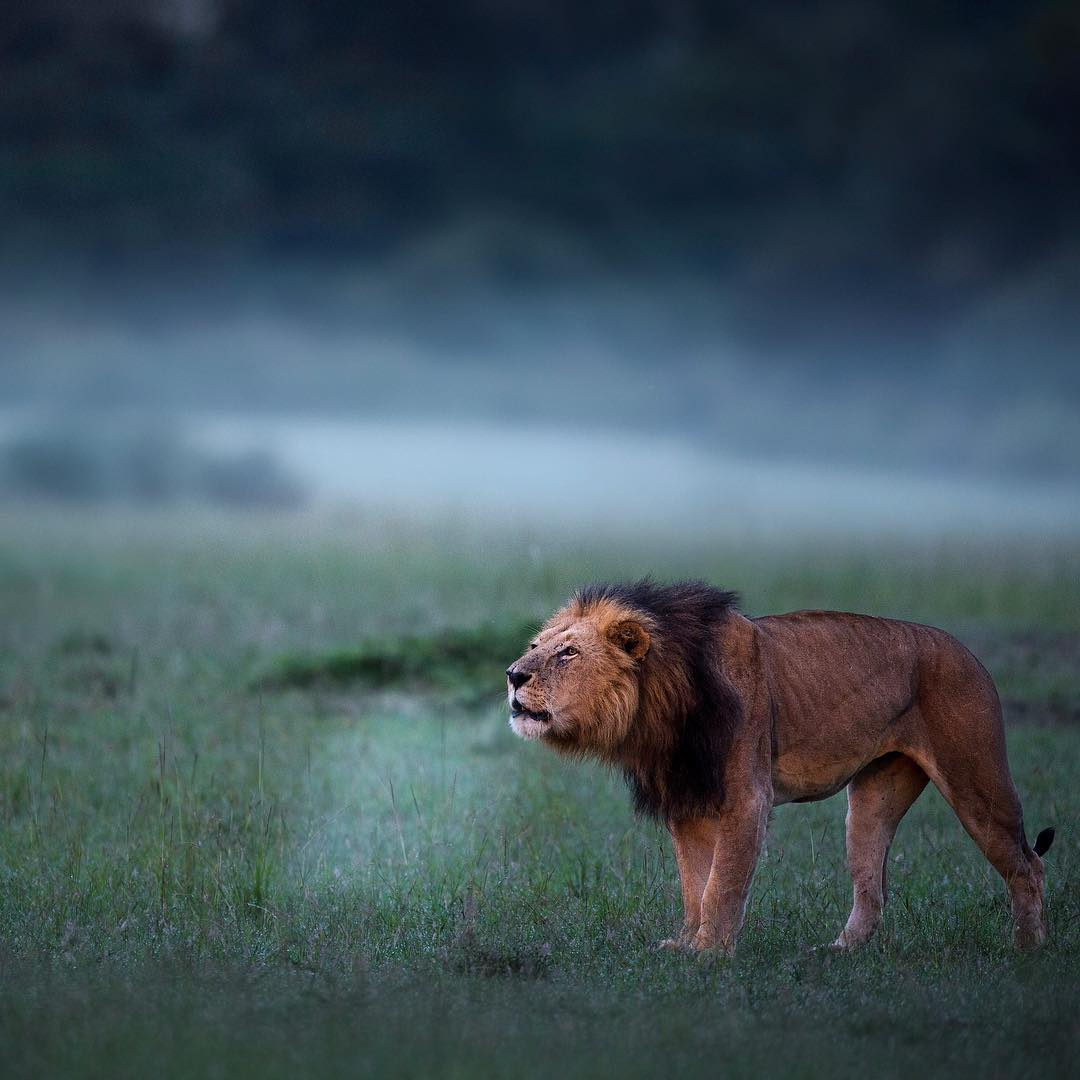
{"x": 630, "y": 636}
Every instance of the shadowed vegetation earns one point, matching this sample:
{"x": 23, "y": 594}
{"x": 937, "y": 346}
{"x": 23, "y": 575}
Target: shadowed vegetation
{"x": 446, "y": 659}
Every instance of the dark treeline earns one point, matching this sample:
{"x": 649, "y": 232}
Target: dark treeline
{"x": 890, "y": 159}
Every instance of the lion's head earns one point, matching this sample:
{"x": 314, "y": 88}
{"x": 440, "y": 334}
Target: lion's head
{"x": 632, "y": 674}
{"x": 578, "y": 685}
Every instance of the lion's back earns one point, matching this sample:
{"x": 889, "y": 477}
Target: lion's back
{"x": 848, "y": 662}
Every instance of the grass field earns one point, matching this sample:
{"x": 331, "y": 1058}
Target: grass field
{"x": 244, "y": 830}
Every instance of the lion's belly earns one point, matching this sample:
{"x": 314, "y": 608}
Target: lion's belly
{"x": 802, "y": 778}
{"x": 813, "y": 760}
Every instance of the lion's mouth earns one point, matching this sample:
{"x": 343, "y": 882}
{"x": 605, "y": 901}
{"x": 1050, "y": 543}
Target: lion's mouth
{"x": 519, "y": 712}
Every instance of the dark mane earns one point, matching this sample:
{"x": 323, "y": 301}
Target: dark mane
{"x": 678, "y": 749}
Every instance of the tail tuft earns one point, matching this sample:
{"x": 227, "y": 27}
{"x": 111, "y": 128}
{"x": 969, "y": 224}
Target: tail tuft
{"x": 1043, "y": 841}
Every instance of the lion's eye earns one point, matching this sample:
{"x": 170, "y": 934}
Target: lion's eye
{"x": 532, "y": 645}
{"x": 567, "y": 652}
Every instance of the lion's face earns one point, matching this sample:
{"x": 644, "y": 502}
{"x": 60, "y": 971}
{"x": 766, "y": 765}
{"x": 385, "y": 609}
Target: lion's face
{"x": 576, "y": 687}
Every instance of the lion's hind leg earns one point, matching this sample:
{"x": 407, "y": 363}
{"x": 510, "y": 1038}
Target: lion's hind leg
{"x": 878, "y": 797}
{"x": 962, "y": 748}
{"x": 988, "y": 807}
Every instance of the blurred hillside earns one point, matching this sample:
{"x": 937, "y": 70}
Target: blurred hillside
{"x": 848, "y": 224}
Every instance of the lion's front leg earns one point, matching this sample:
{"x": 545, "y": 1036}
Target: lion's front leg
{"x": 739, "y": 835}
{"x": 695, "y": 841}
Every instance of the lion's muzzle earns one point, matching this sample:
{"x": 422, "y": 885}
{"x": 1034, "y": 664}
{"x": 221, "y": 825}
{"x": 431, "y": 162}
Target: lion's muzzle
{"x": 526, "y": 722}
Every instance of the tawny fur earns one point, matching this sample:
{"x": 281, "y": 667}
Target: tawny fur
{"x": 715, "y": 718}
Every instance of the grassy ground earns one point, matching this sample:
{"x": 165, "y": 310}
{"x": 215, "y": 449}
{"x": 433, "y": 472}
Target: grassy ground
{"x": 210, "y": 865}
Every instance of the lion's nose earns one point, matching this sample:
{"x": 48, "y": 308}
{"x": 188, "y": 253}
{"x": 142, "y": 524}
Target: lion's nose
{"x": 518, "y": 678}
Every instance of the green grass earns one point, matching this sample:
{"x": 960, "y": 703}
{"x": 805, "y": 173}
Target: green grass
{"x": 216, "y": 858}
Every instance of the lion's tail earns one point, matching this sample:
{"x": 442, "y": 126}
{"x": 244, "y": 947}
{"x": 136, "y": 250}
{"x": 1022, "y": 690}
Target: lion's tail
{"x": 1043, "y": 841}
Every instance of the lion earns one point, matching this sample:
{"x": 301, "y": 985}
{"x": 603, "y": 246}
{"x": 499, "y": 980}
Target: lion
{"x": 715, "y": 718}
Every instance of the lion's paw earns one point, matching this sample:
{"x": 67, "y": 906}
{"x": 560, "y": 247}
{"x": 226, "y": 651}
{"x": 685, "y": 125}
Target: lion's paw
{"x": 673, "y": 944}
{"x": 711, "y": 947}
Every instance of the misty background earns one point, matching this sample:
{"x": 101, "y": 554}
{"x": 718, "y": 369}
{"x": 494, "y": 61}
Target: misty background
{"x": 779, "y": 262}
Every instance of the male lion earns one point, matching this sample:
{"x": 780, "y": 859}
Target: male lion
{"x": 715, "y": 718}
